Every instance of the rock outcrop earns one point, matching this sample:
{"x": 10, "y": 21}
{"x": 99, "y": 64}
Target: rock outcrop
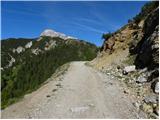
{"x": 19, "y": 50}
{"x": 50, "y": 44}
{"x": 36, "y": 51}
{"x": 12, "y": 60}
{"x": 28, "y": 45}
{"x": 108, "y": 45}
{"x": 148, "y": 47}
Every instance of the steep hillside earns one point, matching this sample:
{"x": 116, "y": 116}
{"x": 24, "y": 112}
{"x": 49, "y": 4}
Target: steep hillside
{"x": 27, "y": 63}
{"x": 132, "y": 55}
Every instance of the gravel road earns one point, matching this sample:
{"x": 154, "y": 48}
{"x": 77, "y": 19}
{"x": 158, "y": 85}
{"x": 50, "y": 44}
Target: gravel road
{"x": 82, "y": 92}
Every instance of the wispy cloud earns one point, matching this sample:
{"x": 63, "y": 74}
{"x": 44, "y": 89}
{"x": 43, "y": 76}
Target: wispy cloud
{"x": 87, "y": 28}
{"x": 88, "y": 20}
{"x": 99, "y": 18}
{"x": 107, "y": 23}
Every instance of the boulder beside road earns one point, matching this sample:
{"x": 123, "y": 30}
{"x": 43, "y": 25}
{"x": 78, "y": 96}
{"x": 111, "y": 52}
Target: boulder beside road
{"x": 129, "y": 69}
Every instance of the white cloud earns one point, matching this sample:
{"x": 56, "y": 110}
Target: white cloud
{"x": 88, "y": 28}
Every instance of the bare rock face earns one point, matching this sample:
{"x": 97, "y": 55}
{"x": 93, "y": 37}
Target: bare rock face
{"x": 52, "y": 33}
{"x": 108, "y": 44}
{"x": 148, "y": 47}
{"x": 50, "y": 44}
{"x": 141, "y": 38}
{"x": 28, "y": 45}
{"x": 11, "y": 61}
{"x": 36, "y": 51}
{"x": 19, "y": 50}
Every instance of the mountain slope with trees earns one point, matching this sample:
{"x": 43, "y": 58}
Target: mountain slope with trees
{"x": 34, "y": 63}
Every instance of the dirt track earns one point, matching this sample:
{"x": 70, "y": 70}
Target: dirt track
{"x": 83, "y": 92}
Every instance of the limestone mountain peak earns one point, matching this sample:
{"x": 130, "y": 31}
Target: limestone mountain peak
{"x": 53, "y": 33}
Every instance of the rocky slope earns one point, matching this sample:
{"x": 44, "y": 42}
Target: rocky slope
{"x": 132, "y": 55}
{"x": 27, "y": 63}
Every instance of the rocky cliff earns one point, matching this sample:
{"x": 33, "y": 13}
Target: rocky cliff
{"x": 141, "y": 38}
{"x": 132, "y": 54}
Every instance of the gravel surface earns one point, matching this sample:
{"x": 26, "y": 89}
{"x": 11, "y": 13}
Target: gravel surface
{"x": 82, "y": 92}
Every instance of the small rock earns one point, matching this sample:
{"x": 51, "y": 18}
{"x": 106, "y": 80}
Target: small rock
{"x": 58, "y": 85}
{"x": 118, "y": 67}
{"x": 156, "y": 46}
{"x": 147, "y": 108}
{"x": 153, "y": 76}
{"x": 156, "y": 110}
{"x": 143, "y": 70}
{"x": 150, "y": 99}
{"x": 154, "y": 105}
{"x": 138, "y": 93}
{"x": 156, "y": 90}
{"x": 79, "y": 109}
{"x": 124, "y": 72}
{"x": 153, "y": 116}
{"x": 137, "y": 105}
{"x": 108, "y": 73}
{"x": 110, "y": 83}
{"x": 128, "y": 69}
{"x": 141, "y": 79}
{"x": 54, "y": 90}
{"x": 91, "y": 105}
{"x": 125, "y": 91}
{"x": 48, "y": 96}
{"x": 123, "y": 48}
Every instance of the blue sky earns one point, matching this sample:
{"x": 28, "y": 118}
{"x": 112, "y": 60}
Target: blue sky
{"x": 83, "y": 20}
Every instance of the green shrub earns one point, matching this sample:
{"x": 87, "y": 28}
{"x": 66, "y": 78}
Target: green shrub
{"x": 146, "y": 9}
{"x": 106, "y": 36}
